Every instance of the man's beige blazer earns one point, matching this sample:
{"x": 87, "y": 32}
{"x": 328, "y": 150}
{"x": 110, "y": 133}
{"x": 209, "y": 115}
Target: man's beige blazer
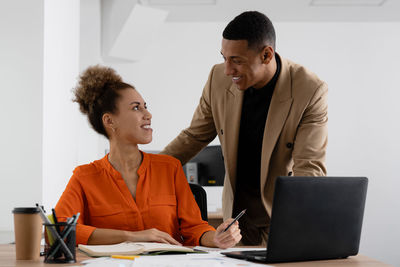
{"x": 295, "y": 135}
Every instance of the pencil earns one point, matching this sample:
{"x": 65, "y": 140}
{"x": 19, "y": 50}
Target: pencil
{"x": 124, "y": 257}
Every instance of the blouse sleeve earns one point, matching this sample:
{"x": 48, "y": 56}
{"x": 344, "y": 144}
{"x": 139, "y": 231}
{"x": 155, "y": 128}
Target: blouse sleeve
{"x": 71, "y": 202}
{"x": 191, "y": 225}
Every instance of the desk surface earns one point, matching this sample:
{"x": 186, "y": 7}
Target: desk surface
{"x": 7, "y": 259}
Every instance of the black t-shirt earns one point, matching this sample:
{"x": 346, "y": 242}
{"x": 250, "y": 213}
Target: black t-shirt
{"x": 255, "y": 107}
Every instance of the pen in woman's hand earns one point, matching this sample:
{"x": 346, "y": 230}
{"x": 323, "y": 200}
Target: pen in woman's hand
{"x": 234, "y": 220}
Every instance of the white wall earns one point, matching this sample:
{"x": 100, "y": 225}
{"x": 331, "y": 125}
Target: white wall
{"x": 60, "y": 114}
{"x": 358, "y": 61}
{"x": 172, "y": 75}
{"x": 21, "y": 75}
{"x": 90, "y": 144}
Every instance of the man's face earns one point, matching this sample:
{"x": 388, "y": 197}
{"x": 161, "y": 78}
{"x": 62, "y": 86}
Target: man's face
{"x": 244, "y": 65}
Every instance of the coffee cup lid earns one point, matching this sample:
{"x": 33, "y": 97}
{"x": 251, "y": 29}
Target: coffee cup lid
{"x": 25, "y": 210}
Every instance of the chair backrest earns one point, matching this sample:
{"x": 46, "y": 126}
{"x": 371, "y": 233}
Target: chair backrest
{"x": 200, "y": 196}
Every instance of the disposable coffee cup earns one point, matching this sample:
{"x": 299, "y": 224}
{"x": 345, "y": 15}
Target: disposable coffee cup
{"x": 28, "y": 232}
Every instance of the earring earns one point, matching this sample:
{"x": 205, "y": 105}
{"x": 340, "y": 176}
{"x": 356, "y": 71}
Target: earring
{"x": 113, "y": 129}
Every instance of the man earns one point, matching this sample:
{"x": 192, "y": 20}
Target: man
{"x": 270, "y": 115}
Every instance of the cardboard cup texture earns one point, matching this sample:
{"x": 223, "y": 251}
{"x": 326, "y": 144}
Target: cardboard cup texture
{"x": 28, "y": 233}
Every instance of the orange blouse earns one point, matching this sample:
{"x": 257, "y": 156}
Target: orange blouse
{"x": 163, "y": 200}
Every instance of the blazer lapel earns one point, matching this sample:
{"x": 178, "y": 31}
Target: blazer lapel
{"x": 278, "y": 112}
{"x": 233, "y": 112}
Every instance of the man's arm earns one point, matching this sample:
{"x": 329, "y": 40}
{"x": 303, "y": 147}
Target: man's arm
{"x": 312, "y": 137}
{"x": 200, "y": 132}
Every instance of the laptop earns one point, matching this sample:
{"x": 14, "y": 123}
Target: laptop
{"x": 313, "y": 218}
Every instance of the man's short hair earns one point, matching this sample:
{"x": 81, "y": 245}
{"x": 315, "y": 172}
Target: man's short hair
{"x": 252, "y": 26}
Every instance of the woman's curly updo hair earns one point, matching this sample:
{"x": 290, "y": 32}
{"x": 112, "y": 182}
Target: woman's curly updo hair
{"x": 97, "y": 93}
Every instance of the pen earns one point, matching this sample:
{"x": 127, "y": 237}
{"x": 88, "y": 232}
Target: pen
{"x": 234, "y": 220}
{"x": 55, "y": 220}
{"x": 125, "y": 257}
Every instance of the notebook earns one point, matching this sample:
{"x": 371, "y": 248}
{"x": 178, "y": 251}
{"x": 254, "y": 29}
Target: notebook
{"x": 313, "y": 218}
{"x": 132, "y": 248}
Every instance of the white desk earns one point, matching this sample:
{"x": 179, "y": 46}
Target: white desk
{"x": 7, "y": 259}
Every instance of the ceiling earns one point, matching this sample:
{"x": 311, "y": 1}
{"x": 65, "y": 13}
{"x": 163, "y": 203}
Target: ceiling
{"x": 280, "y": 10}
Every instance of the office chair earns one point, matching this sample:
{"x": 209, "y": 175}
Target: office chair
{"x": 200, "y": 196}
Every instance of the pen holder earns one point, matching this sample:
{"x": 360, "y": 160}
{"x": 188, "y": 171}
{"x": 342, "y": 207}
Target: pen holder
{"x": 60, "y": 248}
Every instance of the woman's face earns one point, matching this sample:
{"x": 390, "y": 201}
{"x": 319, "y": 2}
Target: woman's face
{"x": 132, "y": 120}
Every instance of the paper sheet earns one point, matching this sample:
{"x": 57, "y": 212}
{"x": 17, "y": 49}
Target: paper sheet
{"x": 211, "y": 259}
{"x": 107, "y": 262}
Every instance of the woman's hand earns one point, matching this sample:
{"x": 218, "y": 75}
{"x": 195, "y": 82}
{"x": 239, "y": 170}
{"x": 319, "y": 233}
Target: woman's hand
{"x": 222, "y": 239}
{"x": 229, "y": 238}
{"x": 152, "y": 235}
{"x": 111, "y": 236}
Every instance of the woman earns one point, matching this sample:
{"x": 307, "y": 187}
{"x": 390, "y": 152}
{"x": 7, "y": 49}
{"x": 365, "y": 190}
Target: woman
{"x": 130, "y": 195}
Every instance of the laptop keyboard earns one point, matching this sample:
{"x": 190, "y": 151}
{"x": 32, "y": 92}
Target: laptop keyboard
{"x": 260, "y": 253}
